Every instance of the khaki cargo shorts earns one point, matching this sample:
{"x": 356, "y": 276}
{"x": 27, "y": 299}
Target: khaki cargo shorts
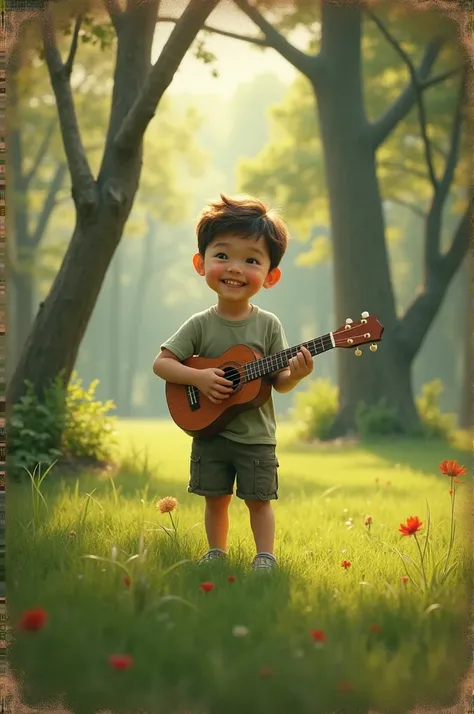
{"x": 215, "y": 462}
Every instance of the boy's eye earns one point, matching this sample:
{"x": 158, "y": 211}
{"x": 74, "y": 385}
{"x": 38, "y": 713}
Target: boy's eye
{"x": 221, "y": 255}
{"x": 254, "y": 260}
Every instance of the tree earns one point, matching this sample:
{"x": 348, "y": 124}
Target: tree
{"x": 351, "y": 145}
{"x": 102, "y": 204}
{"x": 38, "y": 171}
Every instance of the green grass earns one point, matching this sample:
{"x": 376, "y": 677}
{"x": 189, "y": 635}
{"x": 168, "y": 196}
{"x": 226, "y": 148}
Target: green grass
{"x": 186, "y": 657}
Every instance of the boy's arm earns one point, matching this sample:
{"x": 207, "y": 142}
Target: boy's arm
{"x": 168, "y": 367}
{"x": 298, "y": 368}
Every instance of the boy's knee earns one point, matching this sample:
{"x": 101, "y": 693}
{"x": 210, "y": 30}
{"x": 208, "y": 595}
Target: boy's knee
{"x": 256, "y": 506}
{"x": 216, "y": 503}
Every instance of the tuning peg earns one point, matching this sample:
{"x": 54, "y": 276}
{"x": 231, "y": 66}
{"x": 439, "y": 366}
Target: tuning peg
{"x": 348, "y": 324}
{"x": 364, "y": 314}
{"x": 373, "y": 348}
{"x": 358, "y": 352}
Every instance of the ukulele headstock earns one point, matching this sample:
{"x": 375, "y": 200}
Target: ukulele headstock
{"x": 352, "y": 334}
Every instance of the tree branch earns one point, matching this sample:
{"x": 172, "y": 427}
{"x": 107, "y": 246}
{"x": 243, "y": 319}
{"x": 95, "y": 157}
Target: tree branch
{"x": 384, "y": 126}
{"x": 453, "y": 258}
{"x": 418, "y": 94}
{"x": 41, "y": 152}
{"x": 414, "y": 325}
{"x": 307, "y": 64}
{"x": 160, "y": 76}
{"x": 225, "y": 33}
{"x": 72, "y": 52}
{"x": 435, "y": 214}
{"x": 83, "y": 184}
{"x": 115, "y": 12}
{"x": 438, "y": 78}
{"x": 453, "y": 152}
{"x": 49, "y": 204}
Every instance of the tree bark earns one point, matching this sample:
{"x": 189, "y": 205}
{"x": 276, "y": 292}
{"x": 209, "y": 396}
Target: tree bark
{"x": 361, "y": 269}
{"x": 102, "y": 205}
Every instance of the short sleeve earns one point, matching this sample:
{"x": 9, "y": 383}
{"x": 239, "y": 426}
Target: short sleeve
{"x": 185, "y": 341}
{"x": 278, "y": 341}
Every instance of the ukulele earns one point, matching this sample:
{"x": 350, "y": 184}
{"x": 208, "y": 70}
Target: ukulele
{"x": 249, "y": 371}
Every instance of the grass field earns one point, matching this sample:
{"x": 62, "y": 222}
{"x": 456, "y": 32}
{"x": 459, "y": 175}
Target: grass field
{"x": 381, "y": 644}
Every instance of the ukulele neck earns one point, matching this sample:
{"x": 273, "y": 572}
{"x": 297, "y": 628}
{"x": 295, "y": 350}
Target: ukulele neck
{"x": 274, "y": 363}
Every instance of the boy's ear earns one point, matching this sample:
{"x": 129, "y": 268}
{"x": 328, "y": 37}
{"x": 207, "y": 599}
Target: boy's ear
{"x": 272, "y": 278}
{"x": 198, "y": 262}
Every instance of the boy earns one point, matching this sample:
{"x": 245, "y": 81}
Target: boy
{"x": 240, "y": 245}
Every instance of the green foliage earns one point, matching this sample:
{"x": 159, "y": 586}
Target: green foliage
{"x": 66, "y": 423}
{"x": 436, "y": 425}
{"x": 315, "y": 409}
{"x": 89, "y": 430}
{"x": 377, "y": 420}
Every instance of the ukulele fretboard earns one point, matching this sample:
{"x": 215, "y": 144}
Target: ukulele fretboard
{"x": 268, "y": 365}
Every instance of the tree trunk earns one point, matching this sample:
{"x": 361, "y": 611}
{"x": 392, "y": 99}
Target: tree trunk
{"x": 361, "y": 269}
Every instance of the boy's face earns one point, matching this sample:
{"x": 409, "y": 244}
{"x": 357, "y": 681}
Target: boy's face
{"x": 236, "y": 268}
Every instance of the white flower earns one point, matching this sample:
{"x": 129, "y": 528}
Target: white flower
{"x": 240, "y": 631}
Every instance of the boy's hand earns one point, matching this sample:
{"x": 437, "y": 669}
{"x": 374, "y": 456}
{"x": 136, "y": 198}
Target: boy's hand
{"x": 213, "y": 385}
{"x": 301, "y": 365}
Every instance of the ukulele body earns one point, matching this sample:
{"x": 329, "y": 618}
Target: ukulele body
{"x": 197, "y": 415}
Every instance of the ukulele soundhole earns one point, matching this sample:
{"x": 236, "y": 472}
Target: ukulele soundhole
{"x": 233, "y": 372}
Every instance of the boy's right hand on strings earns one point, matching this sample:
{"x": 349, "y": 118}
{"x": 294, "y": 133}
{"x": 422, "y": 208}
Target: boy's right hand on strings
{"x": 212, "y": 383}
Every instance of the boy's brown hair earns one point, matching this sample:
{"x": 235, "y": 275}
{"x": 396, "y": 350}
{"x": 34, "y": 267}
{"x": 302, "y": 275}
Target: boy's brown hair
{"x": 245, "y": 216}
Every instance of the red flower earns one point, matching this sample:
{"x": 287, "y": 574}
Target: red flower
{"x": 207, "y": 587}
{"x": 346, "y": 564}
{"x": 317, "y": 636}
{"x": 345, "y": 687}
{"x": 412, "y": 526}
{"x": 33, "y": 620}
{"x": 452, "y": 469}
{"x": 118, "y": 661}
{"x": 127, "y": 581}
{"x": 231, "y": 578}
{"x": 450, "y": 491}
{"x": 404, "y": 579}
{"x": 376, "y": 629}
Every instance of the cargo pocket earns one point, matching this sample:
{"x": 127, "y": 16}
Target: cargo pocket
{"x": 195, "y": 473}
{"x": 266, "y": 478}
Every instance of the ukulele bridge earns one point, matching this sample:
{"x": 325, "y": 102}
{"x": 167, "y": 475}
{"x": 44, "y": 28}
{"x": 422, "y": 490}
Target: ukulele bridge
{"x": 193, "y": 397}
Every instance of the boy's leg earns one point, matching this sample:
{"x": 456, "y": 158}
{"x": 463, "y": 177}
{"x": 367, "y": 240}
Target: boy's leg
{"x": 212, "y": 476}
{"x": 262, "y": 522}
{"x": 216, "y": 519}
{"x": 257, "y": 485}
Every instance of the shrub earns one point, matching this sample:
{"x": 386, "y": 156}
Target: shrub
{"x": 66, "y": 423}
{"x": 435, "y": 424}
{"x": 315, "y": 409}
{"x": 377, "y": 420}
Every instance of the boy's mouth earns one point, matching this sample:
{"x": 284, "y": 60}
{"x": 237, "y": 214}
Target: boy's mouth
{"x": 233, "y": 283}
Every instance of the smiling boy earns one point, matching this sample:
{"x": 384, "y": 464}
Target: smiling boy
{"x": 240, "y": 245}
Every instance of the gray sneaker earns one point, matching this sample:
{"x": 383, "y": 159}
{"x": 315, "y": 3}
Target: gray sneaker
{"x": 213, "y": 554}
{"x": 264, "y": 561}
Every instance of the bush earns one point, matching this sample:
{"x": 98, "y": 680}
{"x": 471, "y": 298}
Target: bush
{"x": 67, "y": 423}
{"x": 377, "y": 420}
{"x": 435, "y": 424}
{"x": 316, "y": 409}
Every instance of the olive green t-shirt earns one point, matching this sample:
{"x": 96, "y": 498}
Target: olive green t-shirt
{"x": 208, "y": 334}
